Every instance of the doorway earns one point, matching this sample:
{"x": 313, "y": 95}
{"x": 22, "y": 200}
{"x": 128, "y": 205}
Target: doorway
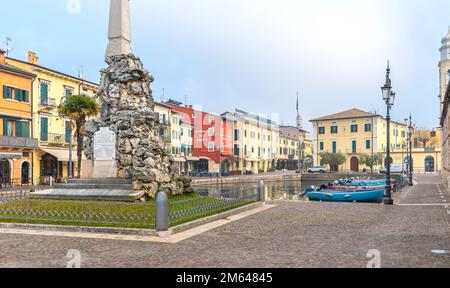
{"x": 25, "y": 179}
{"x": 354, "y": 164}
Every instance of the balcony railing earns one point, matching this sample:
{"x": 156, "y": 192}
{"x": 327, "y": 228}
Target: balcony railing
{"x": 56, "y": 139}
{"x": 49, "y": 102}
{"x": 18, "y": 142}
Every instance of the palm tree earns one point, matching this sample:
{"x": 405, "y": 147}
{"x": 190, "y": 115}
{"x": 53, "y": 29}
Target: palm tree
{"x": 78, "y": 108}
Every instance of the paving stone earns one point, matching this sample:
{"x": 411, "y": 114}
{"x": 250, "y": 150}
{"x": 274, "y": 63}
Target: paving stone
{"x": 293, "y": 234}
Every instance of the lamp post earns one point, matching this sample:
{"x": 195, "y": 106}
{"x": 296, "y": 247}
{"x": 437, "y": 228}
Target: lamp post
{"x": 388, "y": 98}
{"x": 411, "y": 163}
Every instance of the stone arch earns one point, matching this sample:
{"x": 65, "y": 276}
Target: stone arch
{"x": 429, "y": 164}
{"x": 26, "y": 172}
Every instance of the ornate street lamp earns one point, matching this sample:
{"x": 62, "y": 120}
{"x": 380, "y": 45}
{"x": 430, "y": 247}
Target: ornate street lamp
{"x": 411, "y": 168}
{"x": 389, "y": 99}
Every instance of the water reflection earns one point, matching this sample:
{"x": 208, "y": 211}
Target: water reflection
{"x": 279, "y": 190}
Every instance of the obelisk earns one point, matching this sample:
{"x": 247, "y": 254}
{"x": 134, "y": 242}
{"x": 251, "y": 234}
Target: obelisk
{"x": 127, "y": 114}
{"x": 119, "y": 32}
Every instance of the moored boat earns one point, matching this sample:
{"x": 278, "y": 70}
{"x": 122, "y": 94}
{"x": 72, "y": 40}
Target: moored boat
{"x": 345, "y": 196}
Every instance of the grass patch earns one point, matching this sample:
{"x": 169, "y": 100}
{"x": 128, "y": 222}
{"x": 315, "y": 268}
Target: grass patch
{"x": 183, "y": 208}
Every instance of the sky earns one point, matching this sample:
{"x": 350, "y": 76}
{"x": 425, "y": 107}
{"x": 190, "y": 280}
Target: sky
{"x": 254, "y": 55}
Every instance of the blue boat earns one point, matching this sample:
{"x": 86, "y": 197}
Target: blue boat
{"x": 368, "y": 182}
{"x": 345, "y": 196}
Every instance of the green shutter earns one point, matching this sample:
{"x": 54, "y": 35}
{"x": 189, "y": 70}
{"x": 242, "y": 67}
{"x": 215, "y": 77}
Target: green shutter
{"x": 44, "y": 93}
{"x": 44, "y": 129}
{"x": 26, "y": 129}
{"x": 19, "y": 129}
{"x": 5, "y": 127}
{"x": 7, "y": 91}
{"x": 27, "y": 96}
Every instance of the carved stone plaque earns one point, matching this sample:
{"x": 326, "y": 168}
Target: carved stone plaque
{"x": 104, "y": 145}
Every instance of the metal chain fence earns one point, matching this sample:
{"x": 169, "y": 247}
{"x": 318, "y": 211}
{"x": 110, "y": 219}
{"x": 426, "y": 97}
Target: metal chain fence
{"x": 21, "y": 207}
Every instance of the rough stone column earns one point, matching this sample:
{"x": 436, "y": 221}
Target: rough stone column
{"x": 127, "y": 108}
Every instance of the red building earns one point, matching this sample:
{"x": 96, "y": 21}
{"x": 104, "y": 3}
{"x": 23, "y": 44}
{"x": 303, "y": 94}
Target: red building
{"x": 212, "y": 137}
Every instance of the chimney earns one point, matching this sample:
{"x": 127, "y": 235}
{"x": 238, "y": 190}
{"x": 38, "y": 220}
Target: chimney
{"x": 2, "y": 56}
{"x": 32, "y": 58}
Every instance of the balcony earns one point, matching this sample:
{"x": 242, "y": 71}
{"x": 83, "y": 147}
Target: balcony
{"x": 18, "y": 142}
{"x": 56, "y": 139}
{"x": 48, "y": 103}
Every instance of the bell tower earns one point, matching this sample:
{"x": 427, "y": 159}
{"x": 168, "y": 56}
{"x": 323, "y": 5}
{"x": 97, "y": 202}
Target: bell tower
{"x": 444, "y": 65}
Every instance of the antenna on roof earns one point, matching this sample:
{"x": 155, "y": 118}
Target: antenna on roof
{"x": 80, "y": 70}
{"x": 163, "y": 95}
{"x": 8, "y": 48}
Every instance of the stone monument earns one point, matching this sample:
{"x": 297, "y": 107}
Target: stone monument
{"x": 128, "y": 145}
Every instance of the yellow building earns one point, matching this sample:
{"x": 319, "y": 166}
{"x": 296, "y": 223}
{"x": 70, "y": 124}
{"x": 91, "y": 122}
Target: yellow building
{"x": 17, "y": 145}
{"x": 53, "y": 132}
{"x": 289, "y": 148}
{"x": 356, "y": 132}
{"x": 255, "y": 141}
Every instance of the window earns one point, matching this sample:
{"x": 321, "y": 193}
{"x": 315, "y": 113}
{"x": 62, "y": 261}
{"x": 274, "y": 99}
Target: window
{"x": 321, "y": 146}
{"x": 68, "y": 91}
{"x": 368, "y": 144}
{"x": 245, "y": 133}
{"x": 236, "y": 150}
{"x": 321, "y": 130}
{"x": 44, "y": 93}
{"x": 44, "y": 129}
{"x": 353, "y": 146}
{"x": 403, "y": 134}
{"x": 211, "y": 132}
{"x": 245, "y": 149}
{"x": 334, "y": 129}
{"x": 236, "y": 135}
{"x": 23, "y": 129}
{"x": 7, "y": 92}
{"x": 368, "y": 127}
{"x": 354, "y": 128}
{"x": 7, "y": 128}
{"x": 211, "y": 147}
{"x": 21, "y": 95}
{"x": 190, "y": 133}
{"x": 334, "y": 144}
{"x": 211, "y": 119}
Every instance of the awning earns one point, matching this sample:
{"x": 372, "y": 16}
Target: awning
{"x": 62, "y": 154}
{"x": 179, "y": 159}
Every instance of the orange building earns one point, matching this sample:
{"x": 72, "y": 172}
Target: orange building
{"x": 16, "y": 143}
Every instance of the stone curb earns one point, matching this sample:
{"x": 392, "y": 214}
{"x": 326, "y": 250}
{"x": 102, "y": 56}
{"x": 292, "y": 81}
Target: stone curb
{"x": 132, "y": 231}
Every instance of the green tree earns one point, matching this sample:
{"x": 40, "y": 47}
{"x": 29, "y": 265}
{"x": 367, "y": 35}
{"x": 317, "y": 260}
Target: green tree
{"x": 371, "y": 160}
{"x": 78, "y": 108}
{"x": 333, "y": 159}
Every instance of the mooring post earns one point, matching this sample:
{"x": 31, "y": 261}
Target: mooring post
{"x": 262, "y": 192}
{"x": 162, "y": 214}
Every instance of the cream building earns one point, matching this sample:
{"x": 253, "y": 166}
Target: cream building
{"x": 256, "y": 142}
{"x": 354, "y": 132}
{"x": 289, "y": 148}
{"x": 54, "y": 133}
